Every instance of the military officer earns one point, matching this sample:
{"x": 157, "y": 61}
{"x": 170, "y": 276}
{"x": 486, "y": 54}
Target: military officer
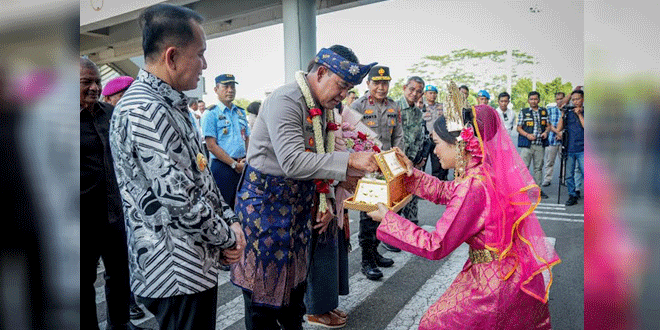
{"x": 227, "y": 133}
{"x": 413, "y": 136}
{"x": 383, "y": 116}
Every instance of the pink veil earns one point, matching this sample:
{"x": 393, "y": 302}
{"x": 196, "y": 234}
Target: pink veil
{"x": 517, "y": 233}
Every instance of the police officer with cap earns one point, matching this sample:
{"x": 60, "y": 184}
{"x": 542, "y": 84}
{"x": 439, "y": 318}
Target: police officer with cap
{"x": 226, "y": 132}
{"x": 383, "y": 116}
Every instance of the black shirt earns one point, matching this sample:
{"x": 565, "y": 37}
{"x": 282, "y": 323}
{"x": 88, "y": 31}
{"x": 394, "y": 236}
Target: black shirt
{"x": 99, "y": 193}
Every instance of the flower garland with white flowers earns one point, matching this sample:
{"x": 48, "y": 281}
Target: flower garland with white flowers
{"x": 322, "y": 186}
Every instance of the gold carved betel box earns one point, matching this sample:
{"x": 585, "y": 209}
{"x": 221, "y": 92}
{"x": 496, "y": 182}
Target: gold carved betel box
{"x": 391, "y": 191}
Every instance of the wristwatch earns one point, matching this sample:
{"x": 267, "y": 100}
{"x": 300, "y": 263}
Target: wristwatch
{"x": 233, "y": 165}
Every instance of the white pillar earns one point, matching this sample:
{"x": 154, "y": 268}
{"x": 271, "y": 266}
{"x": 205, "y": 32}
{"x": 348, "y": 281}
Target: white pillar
{"x": 509, "y": 77}
{"x": 299, "y": 18}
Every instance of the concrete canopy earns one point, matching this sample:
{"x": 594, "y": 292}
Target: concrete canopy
{"x": 114, "y": 38}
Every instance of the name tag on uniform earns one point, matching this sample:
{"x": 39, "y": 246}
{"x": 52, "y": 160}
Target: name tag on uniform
{"x": 530, "y": 123}
{"x": 222, "y": 117}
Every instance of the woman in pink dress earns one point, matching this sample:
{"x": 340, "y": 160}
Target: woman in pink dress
{"x": 504, "y": 284}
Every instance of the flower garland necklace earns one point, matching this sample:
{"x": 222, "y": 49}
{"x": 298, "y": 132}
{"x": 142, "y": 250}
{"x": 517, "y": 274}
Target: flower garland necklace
{"x": 322, "y": 186}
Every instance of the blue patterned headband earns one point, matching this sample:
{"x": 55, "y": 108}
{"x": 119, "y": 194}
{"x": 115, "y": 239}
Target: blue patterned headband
{"x": 351, "y": 72}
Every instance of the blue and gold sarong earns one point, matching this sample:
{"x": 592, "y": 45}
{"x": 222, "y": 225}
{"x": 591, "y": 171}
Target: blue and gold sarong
{"x": 276, "y": 216}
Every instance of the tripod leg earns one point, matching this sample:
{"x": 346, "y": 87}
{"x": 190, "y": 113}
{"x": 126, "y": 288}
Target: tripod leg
{"x": 561, "y": 175}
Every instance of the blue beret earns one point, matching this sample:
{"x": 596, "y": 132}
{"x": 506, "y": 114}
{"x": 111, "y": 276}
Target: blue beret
{"x": 430, "y": 88}
{"x": 351, "y": 72}
{"x": 484, "y": 93}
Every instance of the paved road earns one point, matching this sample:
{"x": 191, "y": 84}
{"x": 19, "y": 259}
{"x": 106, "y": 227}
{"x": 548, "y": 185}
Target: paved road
{"x": 400, "y": 298}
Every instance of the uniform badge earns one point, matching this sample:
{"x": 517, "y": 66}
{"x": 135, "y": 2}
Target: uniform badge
{"x": 225, "y": 131}
{"x": 368, "y": 111}
{"x": 201, "y": 162}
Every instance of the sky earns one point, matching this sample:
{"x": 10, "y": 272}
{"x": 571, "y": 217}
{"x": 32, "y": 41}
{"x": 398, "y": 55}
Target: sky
{"x": 399, "y": 33}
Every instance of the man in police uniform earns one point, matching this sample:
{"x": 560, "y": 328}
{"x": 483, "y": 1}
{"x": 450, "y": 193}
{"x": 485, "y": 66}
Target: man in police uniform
{"x": 533, "y": 130}
{"x": 383, "y": 116}
{"x": 432, "y": 111}
{"x": 226, "y": 132}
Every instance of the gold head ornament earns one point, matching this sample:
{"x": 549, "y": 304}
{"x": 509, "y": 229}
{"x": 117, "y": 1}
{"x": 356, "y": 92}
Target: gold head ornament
{"x": 455, "y": 102}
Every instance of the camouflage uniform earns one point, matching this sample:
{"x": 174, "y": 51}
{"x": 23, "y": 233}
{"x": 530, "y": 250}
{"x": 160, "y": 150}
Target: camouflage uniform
{"x": 413, "y": 138}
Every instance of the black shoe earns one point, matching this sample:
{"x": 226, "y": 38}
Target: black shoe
{"x": 382, "y": 261}
{"x": 544, "y": 195}
{"x": 225, "y": 267}
{"x": 572, "y": 200}
{"x": 371, "y": 271}
{"x": 578, "y": 195}
{"x": 391, "y": 248}
{"x": 136, "y": 312}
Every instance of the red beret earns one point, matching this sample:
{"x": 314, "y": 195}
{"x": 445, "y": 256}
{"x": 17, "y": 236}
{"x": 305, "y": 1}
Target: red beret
{"x": 117, "y": 85}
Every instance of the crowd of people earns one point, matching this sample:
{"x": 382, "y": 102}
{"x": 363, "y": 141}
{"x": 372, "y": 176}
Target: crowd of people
{"x": 182, "y": 192}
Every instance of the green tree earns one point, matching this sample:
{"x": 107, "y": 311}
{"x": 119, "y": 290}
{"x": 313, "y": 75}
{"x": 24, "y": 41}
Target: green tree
{"x": 478, "y": 70}
{"x": 549, "y": 89}
{"x": 396, "y": 89}
{"x": 243, "y": 103}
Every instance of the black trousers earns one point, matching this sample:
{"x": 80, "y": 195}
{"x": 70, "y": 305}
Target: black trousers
{"x": 184, "y": 312}
{"x": 109, "y": 244}
{"x": 226, "y": 179}
{"x": 367, "y": 235}
{"x": 262, "y": 317}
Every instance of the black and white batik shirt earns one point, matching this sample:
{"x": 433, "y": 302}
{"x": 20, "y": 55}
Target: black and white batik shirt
{"x": 176, "y": 221}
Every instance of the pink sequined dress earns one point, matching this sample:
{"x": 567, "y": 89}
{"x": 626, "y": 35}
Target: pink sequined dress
{"x": 509, "y": 290}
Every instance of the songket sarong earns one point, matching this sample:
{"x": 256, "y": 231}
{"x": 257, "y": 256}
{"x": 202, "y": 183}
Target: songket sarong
{"x": 276, "y": 216}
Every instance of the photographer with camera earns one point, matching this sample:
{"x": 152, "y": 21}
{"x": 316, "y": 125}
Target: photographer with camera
{"x": 571, "y": 127}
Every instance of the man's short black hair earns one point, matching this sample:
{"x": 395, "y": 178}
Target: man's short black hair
{"x": 578, "y": 91}
{"x": 253, "y": 107}
{"x": 503, "y": 94}
{"x": 164, "y": 25}
{"x": 192, "y": 101}
{"x": 532, "y": 93}
{"x": 464, "y": 87}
